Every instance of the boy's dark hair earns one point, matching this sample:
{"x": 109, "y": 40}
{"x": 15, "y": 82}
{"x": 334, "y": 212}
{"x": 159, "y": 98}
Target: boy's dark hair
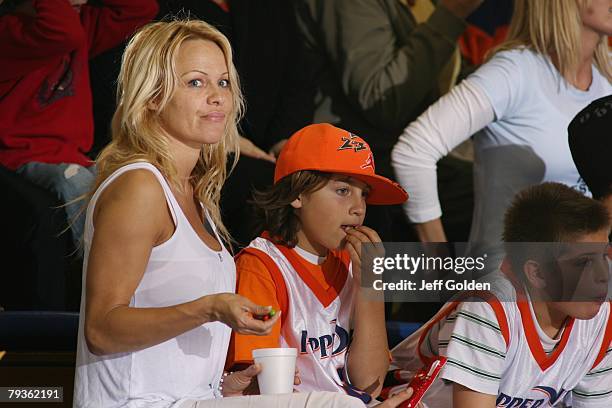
{"x": 273, "y": 209}
{"x": 549, "y": 212}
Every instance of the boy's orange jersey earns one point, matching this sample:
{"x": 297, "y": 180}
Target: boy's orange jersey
{"x": 265, "y": 286}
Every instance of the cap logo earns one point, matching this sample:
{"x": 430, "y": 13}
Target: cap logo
{"x": 349, "y": 143}
{"x": 368, "y": 163}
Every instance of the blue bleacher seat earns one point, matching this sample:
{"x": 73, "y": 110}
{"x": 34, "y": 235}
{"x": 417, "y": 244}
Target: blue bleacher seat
{"x": 38, "y": 331}
{"x": 398, "y": 331}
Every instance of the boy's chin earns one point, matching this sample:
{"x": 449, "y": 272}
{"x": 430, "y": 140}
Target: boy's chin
{"x": 334, "y": 245}
{"x": 584, "y": 310}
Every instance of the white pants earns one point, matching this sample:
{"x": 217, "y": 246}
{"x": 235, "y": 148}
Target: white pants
{"x": 297, "y": 400}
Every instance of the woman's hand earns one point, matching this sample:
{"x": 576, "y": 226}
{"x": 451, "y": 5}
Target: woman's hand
{"x": 244, "y": 382}
{"x": 276, "y": 149}
{"x": 238, "y": 313}
{"x": 249, "y": 149}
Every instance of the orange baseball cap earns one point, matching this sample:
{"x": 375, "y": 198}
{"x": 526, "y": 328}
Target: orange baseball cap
{"x": 326, "y": 148}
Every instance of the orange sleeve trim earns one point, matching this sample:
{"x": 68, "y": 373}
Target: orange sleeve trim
{"x": 499, "y": 311}
{"x": 501, "y": 319}
{"x": 255, "y": 281}
{"x": 277, "y": 277}
{"x": 607, "y": 340}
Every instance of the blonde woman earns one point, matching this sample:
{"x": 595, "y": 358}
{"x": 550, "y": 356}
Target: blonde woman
{"x": 554, "y": 63}
{"x": 158, "y": 302}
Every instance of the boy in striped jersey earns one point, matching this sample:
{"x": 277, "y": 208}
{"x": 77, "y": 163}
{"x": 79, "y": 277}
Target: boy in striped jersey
{"x": 523, "y": 344}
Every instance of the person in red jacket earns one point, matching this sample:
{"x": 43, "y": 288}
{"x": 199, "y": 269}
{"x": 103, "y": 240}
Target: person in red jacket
{"x": 46, "y": 118}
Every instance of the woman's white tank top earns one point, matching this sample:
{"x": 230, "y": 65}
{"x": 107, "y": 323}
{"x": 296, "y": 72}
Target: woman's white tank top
{"x": 188, "y": 366}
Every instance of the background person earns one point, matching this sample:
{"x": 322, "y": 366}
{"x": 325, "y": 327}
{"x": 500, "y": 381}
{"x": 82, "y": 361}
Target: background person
{"x": 591, "y": 144}
{"x": 554, "y": 63}
{"x": 46, "y": 119}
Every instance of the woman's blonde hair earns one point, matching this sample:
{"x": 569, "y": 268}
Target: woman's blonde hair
{"x": 148, "y": 73}
{"x": 553, "y": 28}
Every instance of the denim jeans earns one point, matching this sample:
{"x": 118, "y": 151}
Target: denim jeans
{"x": 68, "y": 181}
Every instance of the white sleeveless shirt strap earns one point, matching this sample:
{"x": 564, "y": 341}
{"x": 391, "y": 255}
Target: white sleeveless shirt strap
{"x": 172, "y": 203}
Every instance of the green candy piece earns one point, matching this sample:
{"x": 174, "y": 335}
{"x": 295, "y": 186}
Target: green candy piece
{"x": 272, "y": 313}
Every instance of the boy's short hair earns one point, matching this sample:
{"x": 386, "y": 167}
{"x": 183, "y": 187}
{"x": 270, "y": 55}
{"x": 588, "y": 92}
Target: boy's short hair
{"x": 590, "y": 142}
{"x": 273, "y": 209}
{"x": 549, "y": 212}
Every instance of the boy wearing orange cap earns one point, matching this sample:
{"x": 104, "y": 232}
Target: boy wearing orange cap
{"x": 307, "y": 263}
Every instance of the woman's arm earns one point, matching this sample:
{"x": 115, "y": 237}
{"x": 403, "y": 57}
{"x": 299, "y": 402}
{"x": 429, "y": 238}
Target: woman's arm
{"x": 454, "y": 118}
{"x": 383, "y": 78}
{"x": 130, "y": 218}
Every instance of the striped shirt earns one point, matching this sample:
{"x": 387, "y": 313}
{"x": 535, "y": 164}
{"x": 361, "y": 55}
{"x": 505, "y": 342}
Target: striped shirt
{"x": 498, "y": 348}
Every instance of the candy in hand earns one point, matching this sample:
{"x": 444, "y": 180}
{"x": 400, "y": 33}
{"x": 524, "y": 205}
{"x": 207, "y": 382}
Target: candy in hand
{"x": 266, "y": 316}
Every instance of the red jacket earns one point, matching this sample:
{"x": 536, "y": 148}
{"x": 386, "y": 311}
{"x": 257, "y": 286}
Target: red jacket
{"x": 45, "y": 97}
